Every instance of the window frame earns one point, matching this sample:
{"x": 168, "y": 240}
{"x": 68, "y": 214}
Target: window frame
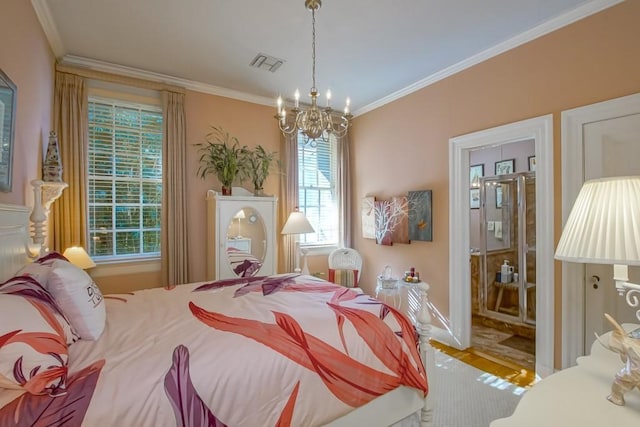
{"x": 146, "y": 103}
{"x": 317, "y": 248}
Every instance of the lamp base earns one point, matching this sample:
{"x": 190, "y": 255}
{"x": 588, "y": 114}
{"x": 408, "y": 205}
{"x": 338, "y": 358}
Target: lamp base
{"x": 305, "y": 267}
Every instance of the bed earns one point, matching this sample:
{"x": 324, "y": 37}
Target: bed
{"x": 272, "y": 350}
{"x": 242, "y": 262}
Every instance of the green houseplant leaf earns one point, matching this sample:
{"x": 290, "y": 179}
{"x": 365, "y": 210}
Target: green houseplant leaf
{"x": 223, "y": 156}
{"x": 260, "y": 165}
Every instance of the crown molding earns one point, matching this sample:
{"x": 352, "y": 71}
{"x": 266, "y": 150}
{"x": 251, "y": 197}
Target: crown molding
{"x": 121, "y": 70}
{"x": 522, "y": 38}
{"x": 48, "y": 26}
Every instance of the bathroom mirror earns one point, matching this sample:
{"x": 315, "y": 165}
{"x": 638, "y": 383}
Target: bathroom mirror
{"x": 246, "y": 242}
{"x": 7, "y": 124}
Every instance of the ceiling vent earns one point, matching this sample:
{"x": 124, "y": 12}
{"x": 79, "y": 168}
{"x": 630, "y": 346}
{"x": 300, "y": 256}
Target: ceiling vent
{"x": 266, "y": 62}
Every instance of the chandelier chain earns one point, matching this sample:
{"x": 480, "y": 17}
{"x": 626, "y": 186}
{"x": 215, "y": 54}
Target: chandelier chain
{"x": 313, "y": 49}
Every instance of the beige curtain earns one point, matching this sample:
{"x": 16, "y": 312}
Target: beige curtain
{"x": 288, "y": 201}
{"x": 344, "y": 183}
{"x": 69, "y": 212}
{"x": 174, "y": 246}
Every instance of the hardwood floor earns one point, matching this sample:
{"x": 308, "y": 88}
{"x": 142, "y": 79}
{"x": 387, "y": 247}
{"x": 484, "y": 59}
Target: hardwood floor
{"x": 506, "y": 346}
{"x": 493, "y": 351}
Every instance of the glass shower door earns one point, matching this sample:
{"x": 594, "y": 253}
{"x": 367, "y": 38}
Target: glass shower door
{"x": 508, "y": 262}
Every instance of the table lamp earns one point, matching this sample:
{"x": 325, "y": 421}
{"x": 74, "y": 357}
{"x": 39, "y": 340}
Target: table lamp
{"x": 79, "y": 257}
{"x": 239, "y": 216}
{"x": 298, "y": 224}
{"x": 604, "y": 228}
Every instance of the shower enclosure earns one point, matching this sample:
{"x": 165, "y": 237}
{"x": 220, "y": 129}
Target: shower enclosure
{"x": 507, "y": 245}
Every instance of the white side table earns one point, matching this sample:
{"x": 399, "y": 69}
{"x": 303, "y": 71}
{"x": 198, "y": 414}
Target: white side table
{"x": 577, "y": 396}
{"x": 405, "y": 297}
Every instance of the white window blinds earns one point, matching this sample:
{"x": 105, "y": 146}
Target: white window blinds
{"x": 124, "y": 179}
{"x": 318, "y": 191}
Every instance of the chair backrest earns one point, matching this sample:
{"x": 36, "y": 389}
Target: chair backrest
{"x": 346, "y": 259}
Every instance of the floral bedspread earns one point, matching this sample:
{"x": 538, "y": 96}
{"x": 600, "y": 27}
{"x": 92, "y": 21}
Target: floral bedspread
{"x": 284, "y": 350}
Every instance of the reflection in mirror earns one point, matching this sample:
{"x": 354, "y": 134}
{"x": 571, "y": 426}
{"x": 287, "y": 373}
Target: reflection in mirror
{"x": 246, "y": 242}
{"x": 7, "y": 123}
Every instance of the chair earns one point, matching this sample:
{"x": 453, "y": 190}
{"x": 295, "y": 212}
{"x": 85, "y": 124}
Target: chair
{"x": 345, "y": 265}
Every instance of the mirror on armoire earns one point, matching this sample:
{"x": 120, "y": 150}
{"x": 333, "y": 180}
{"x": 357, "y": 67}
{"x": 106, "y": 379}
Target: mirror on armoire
{"x": 246, "y": 242}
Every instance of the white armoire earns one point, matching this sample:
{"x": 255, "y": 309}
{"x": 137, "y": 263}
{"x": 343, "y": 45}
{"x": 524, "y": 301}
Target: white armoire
{"x": 240, "y": 229}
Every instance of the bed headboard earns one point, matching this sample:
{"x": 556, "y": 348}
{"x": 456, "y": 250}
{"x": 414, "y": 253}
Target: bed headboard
{"x": 14, "y": 239}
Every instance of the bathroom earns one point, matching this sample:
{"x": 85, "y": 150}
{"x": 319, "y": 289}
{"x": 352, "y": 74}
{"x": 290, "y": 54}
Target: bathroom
{"x": 503, "y": 258}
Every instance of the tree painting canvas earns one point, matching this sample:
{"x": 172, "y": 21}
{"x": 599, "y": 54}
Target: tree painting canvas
{"x": 400, "y": 233}
{"x": 368, "y": 217}
{"x": 420, "y": 216}
{"x": 384, "y": 221}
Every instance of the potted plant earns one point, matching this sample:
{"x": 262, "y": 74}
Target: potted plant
{"x": 259, "y": 166}
{"x": 223, "y": 157}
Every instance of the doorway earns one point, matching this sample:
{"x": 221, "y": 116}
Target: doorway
{"x": 597, "y": 140}
{"x": 540, "y": 130}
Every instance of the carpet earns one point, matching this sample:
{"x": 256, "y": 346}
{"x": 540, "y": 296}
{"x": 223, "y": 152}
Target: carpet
{"x": 468, "y": 397}
{"x": 520, "y": 343}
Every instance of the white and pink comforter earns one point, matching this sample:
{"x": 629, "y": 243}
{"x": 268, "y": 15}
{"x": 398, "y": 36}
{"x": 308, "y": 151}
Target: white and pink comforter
{"x": 263, "y": 351}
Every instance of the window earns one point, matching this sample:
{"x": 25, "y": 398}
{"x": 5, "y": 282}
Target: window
{"x": 318, "y": 191}
{"x": 124, "y": 179}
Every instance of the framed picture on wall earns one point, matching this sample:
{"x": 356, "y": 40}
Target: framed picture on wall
{"x": 475, "y": 173}
{"x": 474, "y": 202}
{"x": 504, "y": 167}
{"x": 532, "y": 163}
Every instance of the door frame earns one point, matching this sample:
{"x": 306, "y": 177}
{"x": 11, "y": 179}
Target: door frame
{"x": 540, "y": 129}
{"x": 573, "y": 274}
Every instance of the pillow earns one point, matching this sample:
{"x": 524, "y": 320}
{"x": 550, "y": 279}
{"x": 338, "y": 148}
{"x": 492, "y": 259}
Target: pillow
{"x": 33, "y": 348}
{"x": 40, "y": 268}
{"x": 79, "y": 298}
{"x": 347, "y": 278}
{"x": 28, "y": 287}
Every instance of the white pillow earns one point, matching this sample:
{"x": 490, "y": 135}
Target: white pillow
{"x": 79, "y": 298}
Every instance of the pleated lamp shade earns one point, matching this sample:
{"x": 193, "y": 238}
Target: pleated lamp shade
{"x": 604, "y": 224}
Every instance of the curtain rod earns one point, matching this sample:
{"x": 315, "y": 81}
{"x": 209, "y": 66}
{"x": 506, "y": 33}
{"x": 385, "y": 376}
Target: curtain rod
{"x": 115, "y": 78}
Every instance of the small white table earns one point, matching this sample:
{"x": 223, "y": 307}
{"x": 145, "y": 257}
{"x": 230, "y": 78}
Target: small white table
{"x": 404, "y": 296}
{"x": 577, "y": 396}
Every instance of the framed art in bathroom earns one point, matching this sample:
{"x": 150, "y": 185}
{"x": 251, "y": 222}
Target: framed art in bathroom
{"x": 505, "y": 167}
{"x": 474, "y": 201}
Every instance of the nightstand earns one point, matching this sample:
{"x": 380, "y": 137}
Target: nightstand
{"x": 404, "y": 296}
{"x": 577, "y": 396}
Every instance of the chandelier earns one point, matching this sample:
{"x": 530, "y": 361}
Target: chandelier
{"x": 315, "y": 123}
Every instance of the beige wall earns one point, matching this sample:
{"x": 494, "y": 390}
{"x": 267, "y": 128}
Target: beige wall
{"x": 26, "y": 58}
{"x": 252, "y": 124}
{"x": 593, "y": 60}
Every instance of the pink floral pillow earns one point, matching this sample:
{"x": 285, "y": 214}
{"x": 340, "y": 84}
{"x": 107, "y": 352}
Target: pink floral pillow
{"x": 33, "y": 344}
{"x": 75, "y": 292}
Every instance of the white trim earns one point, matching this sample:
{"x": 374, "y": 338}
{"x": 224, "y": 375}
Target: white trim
{"x": 138, "y": 73}
{"x": 520, "y": 39}
{"x": 573, "y": 293}
{"x": 48, "y": 26}
{"x": 540, "y": 129}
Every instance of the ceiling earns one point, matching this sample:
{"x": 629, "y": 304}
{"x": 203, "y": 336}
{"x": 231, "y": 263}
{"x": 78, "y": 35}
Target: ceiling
{"x": 371, "y": 51}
